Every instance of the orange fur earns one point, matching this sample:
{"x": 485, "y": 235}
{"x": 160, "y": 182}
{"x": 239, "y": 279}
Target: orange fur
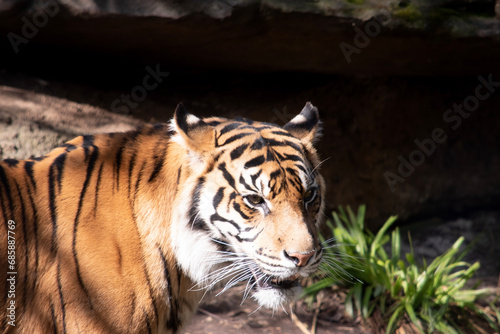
{"x": 95, "y": 219}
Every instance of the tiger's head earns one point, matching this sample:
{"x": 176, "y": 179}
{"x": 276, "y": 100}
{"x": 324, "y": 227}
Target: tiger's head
{"x": 253, "y": 201}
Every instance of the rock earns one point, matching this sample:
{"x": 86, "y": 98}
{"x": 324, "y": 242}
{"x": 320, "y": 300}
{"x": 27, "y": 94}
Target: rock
{"x": 372, "y": 37}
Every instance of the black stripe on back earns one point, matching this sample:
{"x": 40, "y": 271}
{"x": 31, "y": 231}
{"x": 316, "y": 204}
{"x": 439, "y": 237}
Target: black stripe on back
{"x": 11, "y": 162}
{"x": 28, "y": 168}
{"x": 61, "y": 297}
{"x": 98, "y": 183}
{"x": 34, "y": 273}
{"x": 90, "y": 169}
{"x": 25, "y": 239}
{"x": 88, "y": 141}
{"x": 5, "y": 183}
{"x": 159, "y": 162}
{"x": 53, "y": 316}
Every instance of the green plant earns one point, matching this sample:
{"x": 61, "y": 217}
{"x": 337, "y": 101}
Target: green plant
{"x": 432, "y": 297}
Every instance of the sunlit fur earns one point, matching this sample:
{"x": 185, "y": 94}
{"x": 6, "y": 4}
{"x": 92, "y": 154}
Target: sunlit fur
{"x": 125, "y": 232}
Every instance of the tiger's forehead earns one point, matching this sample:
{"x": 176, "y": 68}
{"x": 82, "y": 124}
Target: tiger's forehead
{"x": 263, "y": 156}
{"x": 245, "y": 130}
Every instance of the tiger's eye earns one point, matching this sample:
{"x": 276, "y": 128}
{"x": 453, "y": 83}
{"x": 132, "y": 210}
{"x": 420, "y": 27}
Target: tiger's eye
{"x": 254, "y": 199}
{"x": 309, "y": 194}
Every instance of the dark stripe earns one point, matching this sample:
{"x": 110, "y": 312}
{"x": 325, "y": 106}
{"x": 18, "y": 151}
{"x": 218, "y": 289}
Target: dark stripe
{"x": 118, "y": 162}
{"x": 218, "y": 197}
{"x": 59, "y": 165}
{"x": 270, "y": 156}
{"x": 34, "y": 273}
{"x": 53, "y": 316}
{"x": 274, "y": 142}
{"x": 63, "y": 304}
{"x": 90, "y": 169}
{"x": 5, "y": 183}
{"x": 302, "y": 168}
{"x": 293, "y": 157}
{"x": 196, "y": 222}
{"x": 178, "y": 271}
{"x": 236, "y": 137}
{"x": 254, "y": 178}
{"x": 245, "y": 184}
{"x": 159, "y": 126}
{"x": 173, "y": 319}
{"x": 138, "y": 182}
{"x": 166, "y": 274}
{"x": 228, "y": 128}
{"x": 25, "y": 239}
{"x": 11, "y": 162}
{"x": 229, "y": 178}
{"x": 159, "y": 161}
{"x": 130, "y": 170}
{"x": 258, "y": 144}
{"x": 147, "y": 322}
{"x": 275, "y": 174}
{"x": 237, "y": 207}
{"x": 282, "y": 133}
{"x": 232, "y": 197}
{"x": 218, "y": 217}
{"x": 98, "y": 183}
{"x": 213, "y": 123}
{"x": 179, "y": 173}
{"x": 292, "y": 172}
{"x": 28, "y": 167}
{"x": 248, "y": 239}
{"x": 69, "y": 147}
{"x": 88, "y": 141}
{"x": 53, "y": 208}
{"x": 237, "y": 152}
{"x": 255, "y": 162}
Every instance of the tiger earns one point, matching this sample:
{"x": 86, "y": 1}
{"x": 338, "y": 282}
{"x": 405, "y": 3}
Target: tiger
{"x": 126, "y": 232}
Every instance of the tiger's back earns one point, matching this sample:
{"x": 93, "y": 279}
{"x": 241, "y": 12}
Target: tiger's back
{"x": 100, "y": 225}
{"x": 61, "y": 204}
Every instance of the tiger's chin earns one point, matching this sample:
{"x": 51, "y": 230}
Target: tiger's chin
{"x": 276, "y": 294}
{"x": 276, "y": 298}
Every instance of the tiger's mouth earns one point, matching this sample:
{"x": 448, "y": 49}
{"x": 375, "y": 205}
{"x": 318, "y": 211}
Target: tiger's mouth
{"x": 260, "y": 280}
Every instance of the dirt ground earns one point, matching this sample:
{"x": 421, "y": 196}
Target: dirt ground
{"x": 226, "y": 313}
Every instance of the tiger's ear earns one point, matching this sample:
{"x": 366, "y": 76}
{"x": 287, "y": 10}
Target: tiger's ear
{"x": 305, "y": 126}
{"x": 196, "y": 135}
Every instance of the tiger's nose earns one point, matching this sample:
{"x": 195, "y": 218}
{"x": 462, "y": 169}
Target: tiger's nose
{"x": 299, "y": 259}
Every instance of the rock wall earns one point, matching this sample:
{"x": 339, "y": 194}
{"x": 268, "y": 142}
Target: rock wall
{"x": 408, "y": 91}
